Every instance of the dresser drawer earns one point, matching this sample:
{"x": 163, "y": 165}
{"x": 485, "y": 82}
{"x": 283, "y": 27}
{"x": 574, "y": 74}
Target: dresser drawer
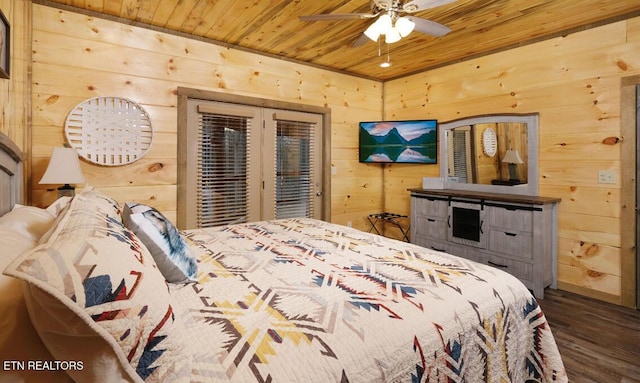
{"x": 520, "y": 270}
{"x": 430, "y": 207}
{"x": 510, "y": 219}
{"x": 511, "y": 242}
{"x": 430, "y": 227}
{"x": 476, "y": 255}
{"x": 444, "y": 246}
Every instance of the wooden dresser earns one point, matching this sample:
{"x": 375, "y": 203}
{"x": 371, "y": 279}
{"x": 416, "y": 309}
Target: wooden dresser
{"x": 515, "y": 233}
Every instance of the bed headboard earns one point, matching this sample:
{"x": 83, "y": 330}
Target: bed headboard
{"x": 11, "y": 180}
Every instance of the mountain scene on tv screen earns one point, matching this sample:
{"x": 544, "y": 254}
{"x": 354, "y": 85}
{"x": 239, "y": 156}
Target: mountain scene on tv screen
{"x": 400, "y": 141}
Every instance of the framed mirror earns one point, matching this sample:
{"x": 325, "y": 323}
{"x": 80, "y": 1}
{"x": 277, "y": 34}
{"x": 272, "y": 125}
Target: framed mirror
{"x": 491, "y": 153}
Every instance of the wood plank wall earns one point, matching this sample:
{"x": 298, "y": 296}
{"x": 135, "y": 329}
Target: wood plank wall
{"x": 574, "y": 83}
{"x": 76, "y": 57}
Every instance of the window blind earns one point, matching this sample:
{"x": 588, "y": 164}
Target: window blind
{"x": 294, "y": 169}
{"x": 222, "y": 176}
{"x": 460, "y": 154}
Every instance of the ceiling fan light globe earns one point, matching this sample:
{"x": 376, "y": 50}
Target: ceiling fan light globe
{"x": 384, "y": 24}
{"x": 405, "y": 26}
{"x": 373, "y": 33}
{"x": 392, "y": 36}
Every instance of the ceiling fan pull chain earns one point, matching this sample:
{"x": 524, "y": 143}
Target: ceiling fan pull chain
{"x": 387, "y": 64}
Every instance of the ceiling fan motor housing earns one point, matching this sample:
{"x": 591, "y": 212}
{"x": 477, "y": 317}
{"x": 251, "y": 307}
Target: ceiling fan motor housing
{"x": 393, "y": 6}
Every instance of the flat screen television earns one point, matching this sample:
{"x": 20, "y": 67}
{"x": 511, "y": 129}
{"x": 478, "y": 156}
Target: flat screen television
{"x": 413, "y": 141}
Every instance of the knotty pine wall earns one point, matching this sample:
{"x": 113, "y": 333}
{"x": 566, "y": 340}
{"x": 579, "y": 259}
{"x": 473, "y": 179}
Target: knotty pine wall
{"x": 574, "y": 83}
{"x": 76, "y": 57}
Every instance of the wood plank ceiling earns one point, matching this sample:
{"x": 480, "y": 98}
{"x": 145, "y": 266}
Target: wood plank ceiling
{"x": 272, "y": 27}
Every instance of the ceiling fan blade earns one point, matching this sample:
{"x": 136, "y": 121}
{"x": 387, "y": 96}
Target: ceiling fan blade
{"x": 360, "y": 41}
{"x": 336, "y": 16}
{"x": 421, "y": 5}
{"x": 429, "y": 27}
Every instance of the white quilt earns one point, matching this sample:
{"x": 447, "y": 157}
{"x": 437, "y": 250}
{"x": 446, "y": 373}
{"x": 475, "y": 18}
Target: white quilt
{"x": 302, "y": 300}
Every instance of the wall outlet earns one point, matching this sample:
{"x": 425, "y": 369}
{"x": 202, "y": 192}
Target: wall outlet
{"x": 349, "y": 223}
{"x": 606, "y": 177}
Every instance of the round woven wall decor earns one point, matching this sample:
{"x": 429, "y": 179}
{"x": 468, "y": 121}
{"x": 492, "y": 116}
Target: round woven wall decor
{"x": 109, "y": 131}
{"x": 489, "y": 142}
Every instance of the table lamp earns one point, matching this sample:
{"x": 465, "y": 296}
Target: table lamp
{"x": 63, "y": 168}
{"x": 512, "y": 157}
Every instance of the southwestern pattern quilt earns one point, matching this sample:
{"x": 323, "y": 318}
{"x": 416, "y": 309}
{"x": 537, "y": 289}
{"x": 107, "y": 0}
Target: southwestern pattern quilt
{"x": 301, "y": 300}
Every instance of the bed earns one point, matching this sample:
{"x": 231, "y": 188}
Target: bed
{"x": 112, "y": 292}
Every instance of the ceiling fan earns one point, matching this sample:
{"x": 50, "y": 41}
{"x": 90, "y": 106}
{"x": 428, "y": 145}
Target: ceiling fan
{"x": 390, "y": 20}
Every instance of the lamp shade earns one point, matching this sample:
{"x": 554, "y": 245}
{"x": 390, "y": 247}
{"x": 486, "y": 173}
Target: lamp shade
{"x": 512, "y": 157}
{"x": 63, "y": 168}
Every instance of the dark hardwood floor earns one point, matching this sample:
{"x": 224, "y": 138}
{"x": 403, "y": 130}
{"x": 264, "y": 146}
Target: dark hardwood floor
{"x": 598, "y": 341}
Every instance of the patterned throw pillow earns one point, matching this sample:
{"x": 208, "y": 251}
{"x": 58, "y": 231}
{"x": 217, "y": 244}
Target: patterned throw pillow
{"x": 93, "y": 279}
{"x": 170, "y": 251}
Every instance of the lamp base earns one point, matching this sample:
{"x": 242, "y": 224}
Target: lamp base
{"x": 66, "y": 191}
{"x": 513, "y": 172}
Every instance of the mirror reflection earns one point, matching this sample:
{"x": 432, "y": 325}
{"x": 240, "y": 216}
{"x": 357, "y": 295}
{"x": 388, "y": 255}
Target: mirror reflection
{"x": 495, "y": 153}
{"x": 488, "y": 153}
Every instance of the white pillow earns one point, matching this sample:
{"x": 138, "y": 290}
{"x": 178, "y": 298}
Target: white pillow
{"x": 28, "y": 221}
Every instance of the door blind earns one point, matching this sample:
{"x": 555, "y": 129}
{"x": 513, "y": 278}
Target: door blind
{"x": 460, "y": 140}
{"x": 294, "y": 169}
{"x": 222, "y": 192}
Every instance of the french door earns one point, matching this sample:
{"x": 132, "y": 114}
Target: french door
{"x": 248, "y": 163}
{"x": 291, "y": 164}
